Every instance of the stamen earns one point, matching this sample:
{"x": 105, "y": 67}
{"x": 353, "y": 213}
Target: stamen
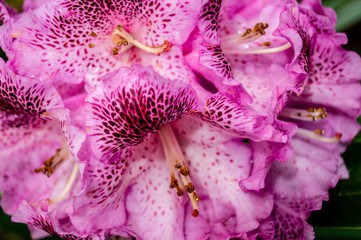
{"x": 52, "y": 163}
{"x": 175, "y": 160}
{"x": 91, "y": 45}
{"x": 119, "y": 36}
{"x": 309, "y": 115}
{"x": 115, "y": 51}
{"x": 258, "y": 50}
{"x": 248, "y": 36}
{"x": 93, "y": 34}
{"x": 68, "y": 186}
{"x": 316, "y": 134}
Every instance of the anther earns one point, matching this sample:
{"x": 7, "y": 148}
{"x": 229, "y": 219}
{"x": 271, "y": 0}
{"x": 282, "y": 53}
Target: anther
{"x": 122, "y": 42}
{"x": 91, "y": 45}
{"x": 309, "y": 114}
{"x": 195, "y": 213}
{"x": 184, "y": 171}
{"x": 115, "y": 51}
{"x": 175, "y": 159}
{"x": 179, "y": 191}
{"x": 189, "y": 187}
{"x": 173, "y": 182}
{"x": 248, "y": 31}
{"x": 52, "y": 163}
{"x": 266, "y": 44}
{"x": 120, "y": 28}
{"x": 320, "y": 132}
{"x": 93, "y": 34}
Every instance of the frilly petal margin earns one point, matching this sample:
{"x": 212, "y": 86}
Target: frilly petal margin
{"x": 49, "y": 223}
{"x": 223, "y": 111}
{"x": 225, "y": 209}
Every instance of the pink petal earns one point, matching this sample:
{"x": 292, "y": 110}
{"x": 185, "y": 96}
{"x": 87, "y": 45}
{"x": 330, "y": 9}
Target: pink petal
{"x": 130, "y": 104}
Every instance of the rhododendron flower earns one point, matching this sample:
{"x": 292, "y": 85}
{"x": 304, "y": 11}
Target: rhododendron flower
{"x": 36, "y": 164}
{"x": 83, "y": 40}
{"x": 173, "y": 119}
{"x": 130, "y": 167}
{"x": 326, "y": 121}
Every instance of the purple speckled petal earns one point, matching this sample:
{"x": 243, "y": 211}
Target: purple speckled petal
{"x": 224, "y": 111}
{"x": 290, "y": 225}
{"x": 331, "y": 64}
{"x": 49, "y": 223}
{"x": 215, "y": 171}
{"x": 74, "y": 44}
{"x": 296, "y": 28}
{"x": 103, "y": 194}
{"x": 150, "y": 203}
{"x": 130, "y": 104}
{"x": 25, "y": 105}
{"x": 208, "y": 21}
{"x": 27, "y": 95}
{"x": 214, "y": 60}
{"x": 304, "y": 180}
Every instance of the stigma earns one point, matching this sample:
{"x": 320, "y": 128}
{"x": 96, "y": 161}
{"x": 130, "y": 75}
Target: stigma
{"x": 179, "y": 172}
{"x": 123, "y": 41}
{"x": 317, "y": 135}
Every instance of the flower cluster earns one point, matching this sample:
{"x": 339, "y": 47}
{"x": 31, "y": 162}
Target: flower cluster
{"x": 173, "y": 119}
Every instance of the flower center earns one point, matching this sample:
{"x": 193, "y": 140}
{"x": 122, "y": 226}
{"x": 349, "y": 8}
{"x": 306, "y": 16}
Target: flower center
{"x": 124, "y": 40}
{"x": 177, "y": 167}
{"x": 250, "y": 35}
{"x": 310, "y": 115}
{"x": 52, "y": 163}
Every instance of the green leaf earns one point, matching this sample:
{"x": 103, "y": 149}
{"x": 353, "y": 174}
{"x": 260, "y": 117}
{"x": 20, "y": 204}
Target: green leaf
{"x": 348, "y": 13}
{"x": 337, "y": 233}
{"x": 343, "y": 210}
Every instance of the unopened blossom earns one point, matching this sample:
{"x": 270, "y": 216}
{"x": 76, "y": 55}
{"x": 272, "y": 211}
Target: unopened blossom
{"x": 140, "y": 144}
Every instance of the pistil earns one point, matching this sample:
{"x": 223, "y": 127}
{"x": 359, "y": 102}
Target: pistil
{"x": 121, "y": 37}
{"x": 317, "y": 134}
{"x": 176, "y": 163}
{"x": 309, "y": 114}
{"x": 261, "y": 50}
{"x": 68, "y": 186}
